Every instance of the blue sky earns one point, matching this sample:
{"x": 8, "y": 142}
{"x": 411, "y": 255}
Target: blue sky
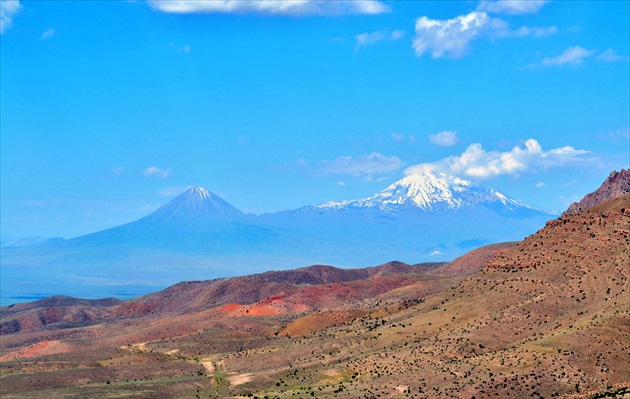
{"x": 109, "y": 109}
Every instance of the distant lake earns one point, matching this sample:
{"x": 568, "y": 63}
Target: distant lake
{"x": 9, "y": 296}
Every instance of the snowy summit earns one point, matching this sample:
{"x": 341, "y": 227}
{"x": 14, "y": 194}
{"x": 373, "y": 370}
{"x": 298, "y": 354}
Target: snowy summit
{"x": 428, "y": 192}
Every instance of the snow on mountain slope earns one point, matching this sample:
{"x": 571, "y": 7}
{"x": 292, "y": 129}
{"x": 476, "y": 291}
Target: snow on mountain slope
{"x": 430, "y": 193}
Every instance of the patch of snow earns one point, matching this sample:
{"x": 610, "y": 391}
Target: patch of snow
{"x": 199, "y": 192}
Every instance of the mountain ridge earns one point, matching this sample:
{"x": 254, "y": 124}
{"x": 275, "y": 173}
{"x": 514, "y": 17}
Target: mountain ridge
{"x": 615, "y": 185}
{"x": 197, "y": 236}
{"x": 196, "y": 219}
{"x": 197, "y": 202}
{"x": 428, "y": 192}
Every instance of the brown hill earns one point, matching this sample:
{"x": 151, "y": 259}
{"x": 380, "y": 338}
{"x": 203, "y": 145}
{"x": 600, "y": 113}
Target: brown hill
{"x": 474, "y": 260}
{"x": 615, "y": 186}
{"x": 195, "y": 296}
{"x": 200, "y": 295}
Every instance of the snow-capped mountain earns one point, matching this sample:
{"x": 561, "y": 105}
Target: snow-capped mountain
{"x": 198, "y": 235}
{"x": 197, "y": 204}
{"x": 428, "y": 192}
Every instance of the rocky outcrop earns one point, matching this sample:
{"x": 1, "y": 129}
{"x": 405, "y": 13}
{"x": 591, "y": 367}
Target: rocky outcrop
{"x": 616, "y": 185}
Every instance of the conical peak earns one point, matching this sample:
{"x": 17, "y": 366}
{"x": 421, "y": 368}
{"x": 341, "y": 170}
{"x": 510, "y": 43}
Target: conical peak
{"x": 198, "y": 203}
{"x": 423, "y": 190}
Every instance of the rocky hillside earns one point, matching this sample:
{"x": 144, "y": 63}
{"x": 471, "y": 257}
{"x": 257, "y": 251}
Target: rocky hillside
{"x": 616, "y": 185}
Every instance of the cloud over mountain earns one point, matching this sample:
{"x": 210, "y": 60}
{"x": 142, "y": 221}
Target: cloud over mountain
{"x": 477, "y": 163}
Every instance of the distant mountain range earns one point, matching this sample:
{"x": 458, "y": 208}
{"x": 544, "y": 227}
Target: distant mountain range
{"x": 198, "y": 235}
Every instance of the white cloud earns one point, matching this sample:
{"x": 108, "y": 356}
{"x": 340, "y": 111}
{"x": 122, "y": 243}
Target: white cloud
{"x": 573, "y": 29}
{"x": 364, "y": 165}
{"x": 271, "y": 7}
{"x": 451, "y": 37}
{"x": 172, "y": 191}
{"x": 153, "y": 171}
{"x": 341, "y": 183}
{"x": 180, "y": 48}
{"x": 398, "y": 137}
{"x": 610, "y": 55}
{"x": 511, "y": 6}
{"x": 48, "y": 34}
{"x": 365, "y": 39}
{"x": 536, "y": 31}
{"x": 572, "y": 56}
{"x": 445, "y": 138}
{"x": 434, "y": 253}
{"x": 398, "y": 34}
{"x": 8, "y": 9}
{"x": 117, "y": 170}
{"x": 616, "y": 136}
{"x": 541, "y": 184}
{"x": 478, "y": 164}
